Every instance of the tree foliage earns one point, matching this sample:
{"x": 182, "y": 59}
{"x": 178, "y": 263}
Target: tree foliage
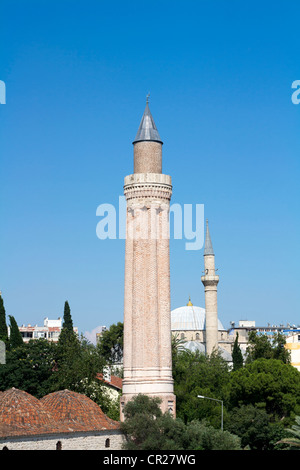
{"x": 111, "y": 343}
{"x": 29, "y": 367}
{"x": 147, "y": 428}
{"x": 15, "y": 337}
{"x": 196, "y": 374}
{"x": 237, "y": 356}
{"x": 3, "y": 325}
{"x": 255, "y": 427}
{"x": 261, "y": 346}
{"x": 67, "y": 334}
{"x": 269, "y": 382}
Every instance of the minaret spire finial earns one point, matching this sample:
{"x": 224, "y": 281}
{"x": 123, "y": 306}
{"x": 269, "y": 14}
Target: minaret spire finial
{"x": 147, "y": 97}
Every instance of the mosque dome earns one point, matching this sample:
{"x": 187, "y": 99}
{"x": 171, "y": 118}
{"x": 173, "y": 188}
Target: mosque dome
{"x": 77, "y": 412}
{"x": 190, "y": 317}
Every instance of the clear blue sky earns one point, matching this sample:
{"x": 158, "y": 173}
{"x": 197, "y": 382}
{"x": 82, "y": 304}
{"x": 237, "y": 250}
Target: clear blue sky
{"x": 219, "y": 75}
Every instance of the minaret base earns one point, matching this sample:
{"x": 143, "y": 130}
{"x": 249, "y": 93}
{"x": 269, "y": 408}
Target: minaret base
{"x": 168, "y": 399}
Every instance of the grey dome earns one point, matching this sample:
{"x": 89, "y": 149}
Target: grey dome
{"x": 190, "y": 318}
{"x": 195, "y": 346}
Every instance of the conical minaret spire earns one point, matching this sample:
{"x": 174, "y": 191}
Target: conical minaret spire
{"x": 208, "y": 248}
{"x": 147, "y": 129}
{"x": 147, "y": 145}
{"x": 210, "y": 282}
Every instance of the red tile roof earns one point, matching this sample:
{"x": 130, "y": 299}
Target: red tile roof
{"x": 77, "y": 412}
{"x": 59, "y": 412}
{"x": 21, "y": 413}
{"x": 115, "y": 381}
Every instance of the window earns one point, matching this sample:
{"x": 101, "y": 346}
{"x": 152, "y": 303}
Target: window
{"x": 107, "y": 443}
{"x": 58, "y": 445}
{"x": 26, "y": 334}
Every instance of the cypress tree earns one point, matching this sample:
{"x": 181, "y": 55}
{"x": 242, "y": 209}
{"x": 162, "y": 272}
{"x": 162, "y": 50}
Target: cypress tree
{"x": 68, "y": 322}
{"x": 15, "y": 338}
{"x": 3, "y": 325}
{"x": 237, "y": 357}
{"x": 67, "y": 333}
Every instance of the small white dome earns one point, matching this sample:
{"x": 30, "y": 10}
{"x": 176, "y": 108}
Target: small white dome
{"x": 195, "y": 346}
{"x": 190, "y": 317}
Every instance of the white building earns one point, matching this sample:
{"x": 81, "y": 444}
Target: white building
{"x": 50, "y": 331}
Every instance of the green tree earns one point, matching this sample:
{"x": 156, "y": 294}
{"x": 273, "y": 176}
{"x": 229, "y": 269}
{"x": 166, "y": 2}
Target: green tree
{"x": 202, "y": 436}
{"x": 196, "y": 374}
{"x": 67, "y": 332}
{"x": 237, "y": 356}
{"x": 258, "y": 347}
{"x": 255, "y": 427}
{"x": 29, "y": 367}
{"x": 15, "y": 337}
{"x": 141, "y": 426}
{"x": 269, "y": 383}
{"x": 261, "y": 346}
{"x": 76, "y": 360}
{"x": 100, "y": 394}
{"x": 147, "y": 428}
{"x": 68, "y": 345}
{"x": 279, "y": 350}
{"x": 111, "y": 343}
{"x": 3, "y": 325}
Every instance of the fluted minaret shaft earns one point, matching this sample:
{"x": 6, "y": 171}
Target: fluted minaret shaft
{"x": 210, "y": 282}
{"x": 147, "y": 359}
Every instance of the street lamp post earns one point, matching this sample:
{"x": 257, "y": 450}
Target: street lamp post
{"x": 215, "y": 399}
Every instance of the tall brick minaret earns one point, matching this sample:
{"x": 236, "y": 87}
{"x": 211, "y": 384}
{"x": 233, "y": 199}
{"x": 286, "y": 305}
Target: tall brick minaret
{"x": 147, "y": 359}
{"x": 210, "y": 282}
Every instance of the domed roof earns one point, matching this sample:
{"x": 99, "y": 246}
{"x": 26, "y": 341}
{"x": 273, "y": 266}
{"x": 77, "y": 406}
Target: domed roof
{"x": 21, "y": 413}
{"x": 77, "y": 412}
{"x": 189, "y": 317}
{"x": 59, "y": 412}
{"x": 194, "y": 346}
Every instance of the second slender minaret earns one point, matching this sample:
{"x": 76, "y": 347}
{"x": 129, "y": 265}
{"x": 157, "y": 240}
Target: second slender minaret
{"x": 147, "y": 358}
{"x": 210, "y": 282}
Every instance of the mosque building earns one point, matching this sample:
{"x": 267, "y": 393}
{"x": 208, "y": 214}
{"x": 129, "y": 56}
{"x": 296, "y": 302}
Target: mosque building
{"x": 200, "y": 329}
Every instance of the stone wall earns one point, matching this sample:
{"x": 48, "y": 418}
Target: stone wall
{"x": 74, "y": 441}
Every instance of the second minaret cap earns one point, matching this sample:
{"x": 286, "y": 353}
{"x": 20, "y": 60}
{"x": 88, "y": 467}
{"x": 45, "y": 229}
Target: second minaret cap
{"x": 208, "y": 248}
{"x": 147, "y": 129}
